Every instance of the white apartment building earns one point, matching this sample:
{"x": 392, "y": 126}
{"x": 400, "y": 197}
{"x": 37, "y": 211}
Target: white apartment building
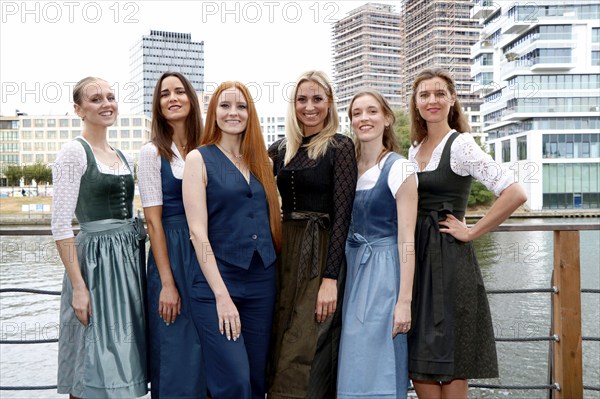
{"x": 28, "y": 139}
{"x": 539, "y": 68}
{"x": 367, "y": 54}
{"x": 160, "y": 52}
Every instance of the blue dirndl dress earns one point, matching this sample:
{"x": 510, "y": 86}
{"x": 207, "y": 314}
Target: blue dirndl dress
{"x": 176, "y": 369}
{"x": 372, "y": 364}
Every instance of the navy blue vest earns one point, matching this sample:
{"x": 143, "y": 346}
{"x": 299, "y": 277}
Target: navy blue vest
{"x": 238, "y": 212}
{"x": 171, "y": 190}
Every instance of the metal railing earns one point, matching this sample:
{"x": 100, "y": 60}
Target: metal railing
{"x": 565, "y": 377}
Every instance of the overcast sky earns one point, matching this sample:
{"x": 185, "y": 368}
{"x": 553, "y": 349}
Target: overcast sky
{"x": 47, "y": 46}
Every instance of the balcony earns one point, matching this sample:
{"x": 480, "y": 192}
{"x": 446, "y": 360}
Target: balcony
{"x": 525, "y": 111}
{"x": 485, "y": 46}
{"x": 552, "y": 64}
{"x": 483, "y": 9}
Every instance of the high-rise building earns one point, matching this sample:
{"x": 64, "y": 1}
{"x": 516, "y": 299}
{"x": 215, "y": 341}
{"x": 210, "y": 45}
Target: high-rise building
{"x": 440, "y": 34}
{"x": 541, "y": 105}
{"x": 367, "y": 54}
{"x": 160, "y": 52}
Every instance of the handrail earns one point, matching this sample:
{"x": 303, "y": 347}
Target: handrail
{"x": 565, "y": 360}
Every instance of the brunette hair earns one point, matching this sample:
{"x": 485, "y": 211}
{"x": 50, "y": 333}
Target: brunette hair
{"x": 162, "y": 131}
{"x": 456, "y": 117}
{"x": 253, "y": 149}
{"x": 389, "y": 139}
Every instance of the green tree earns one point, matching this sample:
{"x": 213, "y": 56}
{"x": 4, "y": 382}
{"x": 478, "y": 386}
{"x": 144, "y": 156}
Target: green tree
{"x": 402, "y": 129}
{"x": 13, "y": 174}
{"x": 39, "y": 172}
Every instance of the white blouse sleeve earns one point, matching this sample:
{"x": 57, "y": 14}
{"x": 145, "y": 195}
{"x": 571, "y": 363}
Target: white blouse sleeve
{"x": 467, "y": 158}
{"x": 67, "y": 170}
{"x": 401, "y": 169}
{"x": 149, "y": 177}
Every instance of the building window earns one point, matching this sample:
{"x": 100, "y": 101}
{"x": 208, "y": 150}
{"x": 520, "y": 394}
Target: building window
{"x": 64, "y": 134}
{"x": 63, "y": 122}
{"x": 51, "y": 134}
{"x": 112, "y": 134}
{"x": 522, "y": 148}
{"x": 39, "y": 123}
{"x": 506, "y": 151}
{"x": 125, "y": 134}
{"x": 39, "y": 157}
{"x": 51, "y": 122}
{"x": 573, "y": 185}
{"x": 26, "y": 122}
{"x": 39, "y": 135}
{"x": 595, "y": 57}
{"x": 137, "y": 121}
{"x": 125, "y": 122}
{"x": 26, "y": 134}
{"x": 75, "y": 122}
{"x": 584, "y": 145}
{"x": 595, "y": 35}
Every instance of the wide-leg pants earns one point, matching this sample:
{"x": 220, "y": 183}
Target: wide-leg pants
{"x": 236, "y": 369}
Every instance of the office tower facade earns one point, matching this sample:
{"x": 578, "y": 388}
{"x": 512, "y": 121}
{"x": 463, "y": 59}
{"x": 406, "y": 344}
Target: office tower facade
{"x": 367, "y": 54}
{"x": 159, "y": 52}
{"x": 541, "y": 105}
{"x": 440, "y": 34}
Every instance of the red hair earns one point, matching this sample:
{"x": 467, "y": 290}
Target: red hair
{"x": 253, "y": 149}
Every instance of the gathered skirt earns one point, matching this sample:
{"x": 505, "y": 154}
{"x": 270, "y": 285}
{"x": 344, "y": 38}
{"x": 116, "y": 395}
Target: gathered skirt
{"x": 178, "y": 343}
{"x": 304, "y": 352}
{"x": 107, "y": 358}
{"x": 372, "y": 364}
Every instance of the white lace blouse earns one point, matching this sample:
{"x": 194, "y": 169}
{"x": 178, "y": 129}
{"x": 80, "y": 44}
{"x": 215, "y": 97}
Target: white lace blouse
{"x": 149, "y": 177}
{"x": 67, "y": 170}
{"x": 400, "y": 170}
{"x": 467, "y": 158}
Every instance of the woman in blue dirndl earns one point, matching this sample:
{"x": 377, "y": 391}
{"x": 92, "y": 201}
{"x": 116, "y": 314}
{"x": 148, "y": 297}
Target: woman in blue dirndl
{"x": 174, "y": 340}
{"x": 102, "y": 342}
{"x": 376, "y": 316}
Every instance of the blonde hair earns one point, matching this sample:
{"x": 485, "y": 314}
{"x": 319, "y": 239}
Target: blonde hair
{"x": 294, "y": 129}
{"x": 78, "y": 94}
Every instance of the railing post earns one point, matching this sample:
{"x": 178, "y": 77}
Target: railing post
{"x": 567, "y": 316}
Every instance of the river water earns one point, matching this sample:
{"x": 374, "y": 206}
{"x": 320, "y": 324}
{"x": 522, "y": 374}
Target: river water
{"x": 509, "y": 260}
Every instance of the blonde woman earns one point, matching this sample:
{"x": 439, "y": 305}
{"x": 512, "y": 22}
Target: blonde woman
{"x": 316, "y": 176}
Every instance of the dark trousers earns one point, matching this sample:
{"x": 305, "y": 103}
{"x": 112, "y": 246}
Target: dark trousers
{"x": 236, "y": 369}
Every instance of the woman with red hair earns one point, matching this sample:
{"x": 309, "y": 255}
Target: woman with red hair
{"x": 233, "y": 214}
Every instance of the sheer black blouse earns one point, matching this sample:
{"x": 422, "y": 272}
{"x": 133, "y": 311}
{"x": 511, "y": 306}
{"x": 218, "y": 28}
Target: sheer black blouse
{"x": 326, "y": 184}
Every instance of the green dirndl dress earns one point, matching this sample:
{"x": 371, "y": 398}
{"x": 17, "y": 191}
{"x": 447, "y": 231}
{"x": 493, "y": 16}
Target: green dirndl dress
{"x": 106, "y": 359}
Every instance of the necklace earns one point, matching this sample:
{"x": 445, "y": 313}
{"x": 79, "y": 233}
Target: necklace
{"x": 238, "y": 157}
